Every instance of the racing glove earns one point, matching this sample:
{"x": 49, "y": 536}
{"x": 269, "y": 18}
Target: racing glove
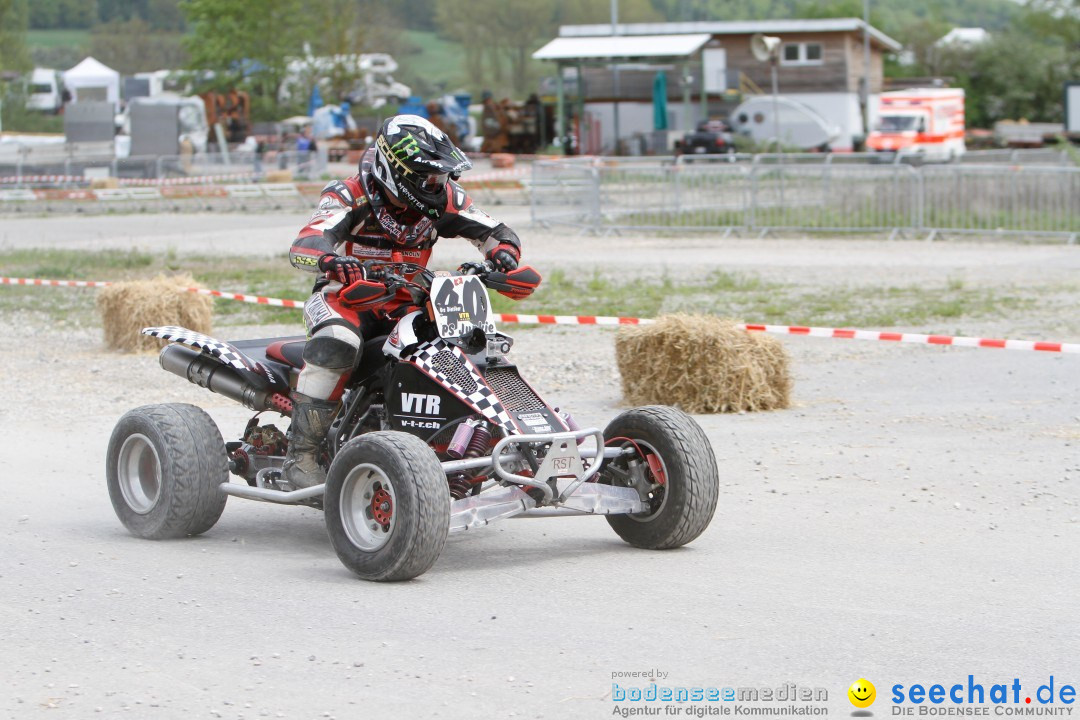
{"x": 346, "y": 270}
{"x": 471, "y": 268}
{"x": 504, "y": 257}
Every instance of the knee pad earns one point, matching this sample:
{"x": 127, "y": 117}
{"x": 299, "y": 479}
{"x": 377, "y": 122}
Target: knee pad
{"x": 334, "y": 350}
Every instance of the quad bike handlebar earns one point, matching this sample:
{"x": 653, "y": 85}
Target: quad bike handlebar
{"x": 383, "y": 280}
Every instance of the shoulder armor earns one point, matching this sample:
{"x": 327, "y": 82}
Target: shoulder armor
{"x": 456, "y": 195}
{"x": 340, "y": 189}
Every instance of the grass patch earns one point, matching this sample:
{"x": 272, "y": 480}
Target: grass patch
{"x": 57, "y": 38}
{"x": 753, "y": 299}
{"x": 719, "y": 293}
{"x": 271, "y": 276}
{"x": 432, "y": 64}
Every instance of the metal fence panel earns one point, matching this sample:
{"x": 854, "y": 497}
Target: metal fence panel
{"x": 824, "y": 196}
{"x": 985, "y": 199}
{"x": 563, "y": 193}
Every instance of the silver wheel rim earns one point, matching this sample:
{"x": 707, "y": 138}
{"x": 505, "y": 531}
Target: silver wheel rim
{"x": 360, "y": 488}
{"x": 649, "y": 517}
{"x": 139, "y": 472}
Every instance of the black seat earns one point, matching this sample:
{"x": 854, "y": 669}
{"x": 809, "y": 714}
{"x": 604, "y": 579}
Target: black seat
{"x": 291, "y": 352}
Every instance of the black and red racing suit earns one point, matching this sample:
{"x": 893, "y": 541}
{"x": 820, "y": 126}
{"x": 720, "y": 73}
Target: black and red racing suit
{"x": 353, "y": 218}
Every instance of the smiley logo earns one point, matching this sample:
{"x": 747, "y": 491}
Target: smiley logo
{"x": 862, "y": 693}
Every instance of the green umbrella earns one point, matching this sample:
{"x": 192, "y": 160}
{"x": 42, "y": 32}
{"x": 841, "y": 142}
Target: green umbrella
{"x": 659, "y": 101}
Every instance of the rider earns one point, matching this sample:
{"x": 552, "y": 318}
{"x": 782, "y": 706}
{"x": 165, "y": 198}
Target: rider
{"x": 404, "y": 197}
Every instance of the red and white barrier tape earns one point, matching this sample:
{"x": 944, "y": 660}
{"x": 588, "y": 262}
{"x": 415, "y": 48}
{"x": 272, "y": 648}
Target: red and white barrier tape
{"x": 200, "y": 180}
{"x": 193, "y": 180}
{"x": 256, "y": 299}
{"x": 571, "y": 319}
{"x": 839, "y": 333}
{"x": 917, "y": 338}
{"x": 495, "y": 175}
{"x": 23, "y": 179}
{"x": 53, "y": 283}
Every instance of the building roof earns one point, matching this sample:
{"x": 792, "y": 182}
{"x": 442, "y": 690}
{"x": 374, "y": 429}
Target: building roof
{"x": 736, "y": 27}
{"x": 621, "y": 47}
{"x": 964, "y": 36}
{"x": 91, "y": 68}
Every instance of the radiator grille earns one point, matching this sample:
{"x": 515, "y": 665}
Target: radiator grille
{"x": 512, "y": 391}
{"x": 450, "y": 365}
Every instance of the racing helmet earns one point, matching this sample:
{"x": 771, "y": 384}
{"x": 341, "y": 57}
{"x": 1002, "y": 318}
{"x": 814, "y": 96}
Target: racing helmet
{"x": 413, "y": 161}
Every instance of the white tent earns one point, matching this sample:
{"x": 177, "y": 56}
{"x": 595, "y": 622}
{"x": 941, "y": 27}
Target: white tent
{"x": 90, "y": 80}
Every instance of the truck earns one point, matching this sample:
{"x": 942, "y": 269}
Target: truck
{"x": 920, "y": 123}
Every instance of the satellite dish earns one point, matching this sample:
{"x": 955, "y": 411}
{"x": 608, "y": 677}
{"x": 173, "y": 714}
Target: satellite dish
{"x": 764, "y": 47}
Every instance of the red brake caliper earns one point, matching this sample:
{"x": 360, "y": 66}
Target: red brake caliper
{"x": 656, "y": 468}
{"x": 382, "y": 507}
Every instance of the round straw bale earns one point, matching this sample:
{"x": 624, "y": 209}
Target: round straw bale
{"x": 127, "y": 307}
{"x": 702, "y": 364}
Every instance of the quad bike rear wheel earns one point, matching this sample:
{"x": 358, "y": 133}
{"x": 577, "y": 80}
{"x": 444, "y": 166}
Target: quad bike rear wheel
{"x": 673, "y": 468}
{"x": 164, "y": 466}
{"x": 387, "y": 506}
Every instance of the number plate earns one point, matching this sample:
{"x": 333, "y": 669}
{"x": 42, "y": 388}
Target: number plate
{"x": 460, "y": 304}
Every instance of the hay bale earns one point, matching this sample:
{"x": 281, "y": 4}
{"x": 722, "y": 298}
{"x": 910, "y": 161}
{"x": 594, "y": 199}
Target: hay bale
{"x": 502, "y": 160}
{"x": 127, "y": 307}
{"x": 279, "y": 176}
{"x": 104, "y": 183}
{"x": 703, "y": 364}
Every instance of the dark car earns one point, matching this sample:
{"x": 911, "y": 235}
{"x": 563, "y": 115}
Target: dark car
{"x": 712, "y": 137}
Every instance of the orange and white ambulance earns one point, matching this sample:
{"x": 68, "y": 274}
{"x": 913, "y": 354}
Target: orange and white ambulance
{"x": 920, "y": 122}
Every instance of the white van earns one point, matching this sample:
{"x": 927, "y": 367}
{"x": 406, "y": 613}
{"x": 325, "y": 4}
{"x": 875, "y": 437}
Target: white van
{"x": 46, "y": 91}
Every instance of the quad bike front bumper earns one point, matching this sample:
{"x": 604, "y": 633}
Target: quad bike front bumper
{"x": 560, "y": 477}
{"x": 557, "y": 486}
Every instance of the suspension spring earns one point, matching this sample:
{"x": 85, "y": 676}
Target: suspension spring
{"x": 481, "y": 440}
{"x": 460, "y": 487}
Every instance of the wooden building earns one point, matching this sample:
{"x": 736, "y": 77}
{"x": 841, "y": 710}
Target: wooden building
{"x": 821, "y": 65}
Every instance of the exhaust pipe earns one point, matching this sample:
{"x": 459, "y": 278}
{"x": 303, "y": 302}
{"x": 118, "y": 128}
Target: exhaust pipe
{"x": 206, "y": 372}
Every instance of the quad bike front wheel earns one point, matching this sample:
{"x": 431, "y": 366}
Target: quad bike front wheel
{"x": 387, "y": 506}
{"x": 164, "y": 466}
{"x": 672, "y": 467}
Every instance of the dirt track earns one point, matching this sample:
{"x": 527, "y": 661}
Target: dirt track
{"x": 913, "y": 519}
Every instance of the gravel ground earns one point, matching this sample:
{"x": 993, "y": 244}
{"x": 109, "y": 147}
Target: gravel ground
{"x": 912, "y": 519}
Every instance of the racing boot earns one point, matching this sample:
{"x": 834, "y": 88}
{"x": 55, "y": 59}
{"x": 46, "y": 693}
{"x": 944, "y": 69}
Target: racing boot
{"x": 310, "y": 421}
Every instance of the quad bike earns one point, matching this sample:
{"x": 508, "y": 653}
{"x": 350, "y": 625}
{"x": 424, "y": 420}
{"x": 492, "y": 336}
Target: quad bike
{"x": 437, "y": 432}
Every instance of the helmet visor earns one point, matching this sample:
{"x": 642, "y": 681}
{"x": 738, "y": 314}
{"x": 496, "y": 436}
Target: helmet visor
{"x": 434, "y": 182}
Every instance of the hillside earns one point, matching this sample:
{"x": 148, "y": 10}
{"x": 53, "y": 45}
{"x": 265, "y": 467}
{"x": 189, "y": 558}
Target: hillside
{"x": 432, "y": 61}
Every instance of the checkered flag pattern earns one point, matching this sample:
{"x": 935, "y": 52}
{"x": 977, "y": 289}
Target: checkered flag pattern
{"x": 223, "y": 351}
{"x": 482, "y": 397}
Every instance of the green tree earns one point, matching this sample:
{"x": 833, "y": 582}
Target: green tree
{"x": 109, "y": 10}
{"x": 919, "y": 37}
{"x": 339, "y": 30}
{"x": 245, "y": 42}
{"x": 13, "y": 21}
{"x": 1019, "y": 73}
{"x": 130, "y": 47}
{"x": 419, "y": 14}
{"x": 49, "y": 14}
{"x": 1057, "y": 23}
{"x": 599, "y": 11}
{"x": 165, "y": 15}
{"x": 500, "y": 34}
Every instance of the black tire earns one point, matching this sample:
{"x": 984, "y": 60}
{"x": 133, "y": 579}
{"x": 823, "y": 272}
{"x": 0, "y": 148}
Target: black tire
{"x": 164, "y": 466}
{"x": 683, "y": 506}
{"x": 409, "y": 541}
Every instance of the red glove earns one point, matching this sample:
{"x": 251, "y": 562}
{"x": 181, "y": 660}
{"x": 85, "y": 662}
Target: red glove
{"x": 346, "y": 270}
{"x": 504, "y": 257}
